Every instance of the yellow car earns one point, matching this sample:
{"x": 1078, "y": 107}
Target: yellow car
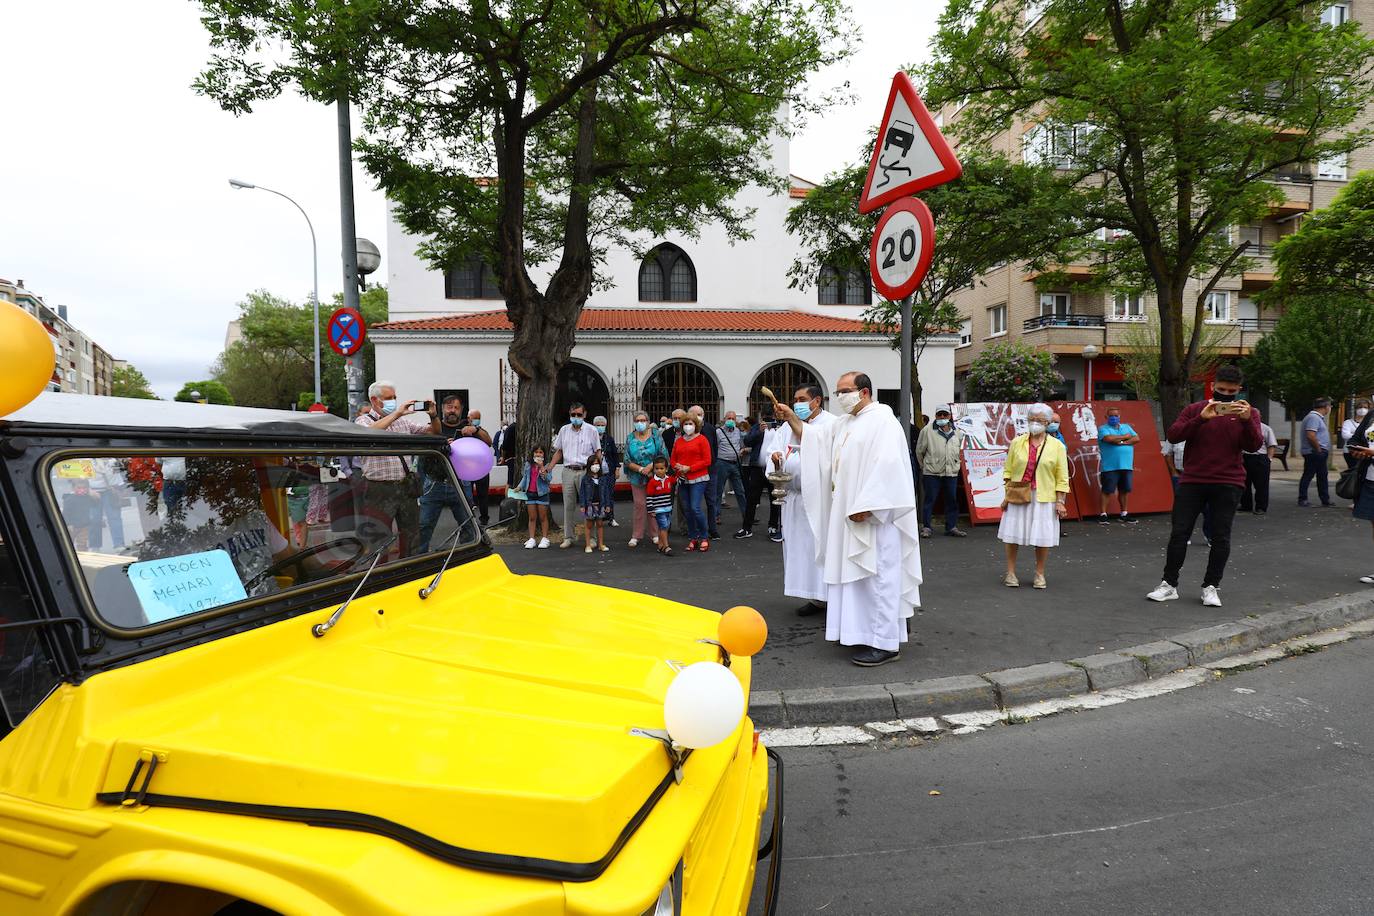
{"x": 266, "y": 662}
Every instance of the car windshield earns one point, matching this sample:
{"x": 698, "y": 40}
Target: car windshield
{"x": 163, "y": 537}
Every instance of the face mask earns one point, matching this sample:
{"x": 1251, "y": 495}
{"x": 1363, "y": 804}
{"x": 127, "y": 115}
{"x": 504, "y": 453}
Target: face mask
{"x": 1054, "y": 427}
{"x": 689, "y": 428}
{"x": 477, "y": 423}
{"x": 1036, "y": 428}
{"x": 848, "y": 401}
{"x": 729, "y": 424}
{"x": 575, "y": 421}
{"x": 1113, "y": 421}
{"x": 1360, "y": 414}
{"x": 1224, "y": 398}
{"x": 942, "y": 423}
{"x": 677, "y": 424}
{"x": 601, "y": 429}
{"x": 640, "y": 426}
{"x": 388, "y": 406}
{"x": 802, "y": 409}
{"x": 538, "y": 459}
{"x": 595, "y": 469}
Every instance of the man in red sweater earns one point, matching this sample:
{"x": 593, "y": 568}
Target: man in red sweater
{"x": 1217, "y": 432}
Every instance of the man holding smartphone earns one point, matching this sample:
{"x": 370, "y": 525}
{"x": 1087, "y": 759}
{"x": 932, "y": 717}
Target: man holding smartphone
{"x": 392, "y": 485}
{"x": 1217, "y": 432}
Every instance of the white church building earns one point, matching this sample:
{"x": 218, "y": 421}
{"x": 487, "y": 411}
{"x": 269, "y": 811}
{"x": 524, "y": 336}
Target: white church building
{"x": 697, "y": 321}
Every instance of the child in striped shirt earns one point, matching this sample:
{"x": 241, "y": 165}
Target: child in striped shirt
{"x": 658, "y": 502}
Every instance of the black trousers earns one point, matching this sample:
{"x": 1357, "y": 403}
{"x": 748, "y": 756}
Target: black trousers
{"x": 1256, "y": 495}
{"x": 480, "y": 490}
{"x": 756, "y": 486}
{"x": 1190, "y": 500}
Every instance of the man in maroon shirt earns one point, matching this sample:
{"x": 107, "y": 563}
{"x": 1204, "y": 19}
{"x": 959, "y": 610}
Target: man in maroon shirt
{"x": 1217, "y": 432}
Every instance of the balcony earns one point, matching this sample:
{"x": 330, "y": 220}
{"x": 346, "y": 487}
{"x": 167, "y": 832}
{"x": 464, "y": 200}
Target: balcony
{"x": 1063, "y": 321}
{"x": 1067, "y": 334}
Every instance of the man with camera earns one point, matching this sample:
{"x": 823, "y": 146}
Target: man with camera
{"x": 392, "y": 486}
{"x": 1217, "y": 432}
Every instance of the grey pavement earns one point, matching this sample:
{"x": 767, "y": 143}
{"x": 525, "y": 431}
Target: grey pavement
{"x": 1249, "y": 795}
{"x": 970, "y": 622}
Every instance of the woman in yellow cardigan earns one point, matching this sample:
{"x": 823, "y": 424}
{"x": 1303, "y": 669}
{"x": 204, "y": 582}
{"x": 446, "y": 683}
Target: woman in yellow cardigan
{"x": 1042, "y": 461}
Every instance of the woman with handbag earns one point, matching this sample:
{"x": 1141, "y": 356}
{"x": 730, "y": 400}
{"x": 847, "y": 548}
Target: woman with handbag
{"x": 1036, "y": 482}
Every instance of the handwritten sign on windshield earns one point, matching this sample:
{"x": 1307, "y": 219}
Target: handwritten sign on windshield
{"x": 176, "y": 586}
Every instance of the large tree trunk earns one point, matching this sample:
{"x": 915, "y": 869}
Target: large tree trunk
{"x": 1175, "y": 369}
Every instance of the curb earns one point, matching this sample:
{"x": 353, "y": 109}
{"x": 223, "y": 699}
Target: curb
{"x": 976, "y": 696}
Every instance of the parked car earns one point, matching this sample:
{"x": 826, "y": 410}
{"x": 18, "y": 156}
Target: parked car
{"x": 232, "y": 682}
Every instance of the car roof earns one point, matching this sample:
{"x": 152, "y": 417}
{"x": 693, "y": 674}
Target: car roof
{"x": 70, "y": 413}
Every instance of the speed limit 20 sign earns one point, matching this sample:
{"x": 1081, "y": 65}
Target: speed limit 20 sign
{"x": 903, "y": 245}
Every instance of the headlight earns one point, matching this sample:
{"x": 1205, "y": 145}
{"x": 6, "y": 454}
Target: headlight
{"x": 669, "y": 901}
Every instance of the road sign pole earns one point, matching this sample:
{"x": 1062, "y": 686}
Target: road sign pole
{"x": 908, "y": 358}
{"x": 350, "y": 236}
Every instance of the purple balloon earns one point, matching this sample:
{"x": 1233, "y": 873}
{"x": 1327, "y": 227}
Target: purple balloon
{"x": 471, "y": 458}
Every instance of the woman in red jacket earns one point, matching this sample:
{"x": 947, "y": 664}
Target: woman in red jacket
{"x": 692, "y": 461}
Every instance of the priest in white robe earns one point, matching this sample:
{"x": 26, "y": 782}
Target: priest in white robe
{"x": 861, "y": 504}
{"x": 801, "y": 572}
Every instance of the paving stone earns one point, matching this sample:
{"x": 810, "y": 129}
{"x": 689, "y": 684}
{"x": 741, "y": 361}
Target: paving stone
{"x": 838, "y": 705}
{"x": 1247, "y": 659}
{"x": 1211, "y": 643}
{"x": 1016, "y": 686}
{"x": 886, "y": 728}
{"x": 766, "y": 709}
{"x": 1110, "y": 669}
{"x": 1280, "y": 625}
{"x": 940, "y": 695}
{"x": 924, "y": 725}
{"x": 1342, "y": 609}
{"x": 1159, "y": 658}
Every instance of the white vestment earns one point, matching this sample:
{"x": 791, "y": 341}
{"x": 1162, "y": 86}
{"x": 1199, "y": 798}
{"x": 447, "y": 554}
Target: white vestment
{"x": 872, "y": 569}
{"x": 801, "y": 574}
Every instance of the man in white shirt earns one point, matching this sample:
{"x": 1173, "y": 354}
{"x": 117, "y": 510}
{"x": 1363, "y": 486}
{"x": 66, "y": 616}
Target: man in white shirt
{"x": 392, "y": 485}
{"x": 1255, "y": 497}
{"x": 574, "y": 447}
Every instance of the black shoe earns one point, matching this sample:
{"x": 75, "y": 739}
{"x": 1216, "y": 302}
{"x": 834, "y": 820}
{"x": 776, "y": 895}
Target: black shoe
{"x": 743, "y": 533}
{"x": 869, "y": 657}
{"x": 1128, "y": 519}
{"x": 1259, "y": 512}
{"x": 1304, "y": 504}
{"x": 956, "y": 533}
{"x": 1103, "y": 520}
{"x": 775, "y": 536}
{"x": 1328, "y": 505}
{"x": 810, "y": 609}
{"x": 715, "y": 535}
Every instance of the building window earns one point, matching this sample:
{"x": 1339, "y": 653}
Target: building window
{"x": 1335, "y": 168}
{"x": 471, "y": 279}
{"x": 966, "y": 332}
{"x": 682, "y": 384}
{"x": 666, "y": 275}
{"x": 1336, "y": 14}
{"x": 997, "y": 320}
{"x": 1035, "y": 10}
{"x": 1060, "y": 145}
{"x": 1218, "y": 307}
{"x": 1128, "y": 307}
{"x": 785, "y": 376}
{"x": 843, "y": 287}
{"x": 1054, "y": 304}
{"x": 1226, "y": 12}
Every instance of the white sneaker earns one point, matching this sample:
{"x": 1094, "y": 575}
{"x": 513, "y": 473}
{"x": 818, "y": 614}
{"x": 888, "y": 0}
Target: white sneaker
{"x": 605, "y": 549}
{"x": 1165, "y": 592}
{"x": 529, "y": 545}
{"x": 1210, "y": 597}
{"x": 634, "y": 542}
{"x": 543, "y": 543}
{"x": 589, "y": 549}
{"x": 567, "y": 542}
{"x": 615, "y": 524}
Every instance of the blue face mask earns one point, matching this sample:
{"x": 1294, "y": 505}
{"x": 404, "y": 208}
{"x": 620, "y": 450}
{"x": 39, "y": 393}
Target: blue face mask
{"x": 677, "y": 424}
{"x": 576, "y": 421}
{"x": 476, "y": 423}
{"x": 640, "y": 426}
{"x": 601, "y": 429}
{"x": 1054, "y": 427}
{"x": 802, "y": 409}
{"x": 1113, "y": 421}
{"x": 729, "y": 424}
{"x": 388, "y": 406}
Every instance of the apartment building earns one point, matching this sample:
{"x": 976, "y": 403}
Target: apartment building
{"x": 82, "y": 366}
{"x": 1085, "y": 326}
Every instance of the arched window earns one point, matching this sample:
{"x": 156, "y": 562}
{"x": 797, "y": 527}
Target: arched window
{"x": 681, "y": 384}
{"x": 848, "y": 286}
{"x": 783, "y": 379}
{"x": 666, "y": 275}
{"x": 471, "y": 279}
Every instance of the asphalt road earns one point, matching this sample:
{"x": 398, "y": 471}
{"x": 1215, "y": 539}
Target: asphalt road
{"x": 1250, "y": 795}
{"x": 970, "y": 622}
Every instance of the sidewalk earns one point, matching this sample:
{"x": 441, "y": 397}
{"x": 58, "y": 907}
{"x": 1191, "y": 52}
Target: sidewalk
{"x": 970, "y": 623}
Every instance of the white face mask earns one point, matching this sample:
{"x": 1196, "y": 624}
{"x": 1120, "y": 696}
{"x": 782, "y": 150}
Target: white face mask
{"x": 1037, "y": 428}
{"x": 1359, "y": 414}
{"x": 848, "y": 401}
{"x": 595, "y": 469}
{"x": 689, "y": 428}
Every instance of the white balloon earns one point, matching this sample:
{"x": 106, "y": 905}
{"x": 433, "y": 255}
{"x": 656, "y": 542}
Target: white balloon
{"x": 704, "y": 705}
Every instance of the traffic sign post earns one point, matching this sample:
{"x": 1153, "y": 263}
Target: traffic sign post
{"x": 902, "y": 247}
{"x": 911, "y": 154}
{"x": 347, "y": 331}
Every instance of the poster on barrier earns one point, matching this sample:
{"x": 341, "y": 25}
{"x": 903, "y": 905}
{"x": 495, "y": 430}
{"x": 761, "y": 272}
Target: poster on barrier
{"x": 983, "y": 482}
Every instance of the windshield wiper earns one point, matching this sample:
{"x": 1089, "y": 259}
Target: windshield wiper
{"x": 434, "y": 583}
{"x": 376, "y": 554}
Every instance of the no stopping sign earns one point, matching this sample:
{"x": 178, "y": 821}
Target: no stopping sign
{"x": 902, "y": 247}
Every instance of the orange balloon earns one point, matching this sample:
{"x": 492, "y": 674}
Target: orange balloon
{"x": 742, "y": 631}
{"x": 27, "y": 356}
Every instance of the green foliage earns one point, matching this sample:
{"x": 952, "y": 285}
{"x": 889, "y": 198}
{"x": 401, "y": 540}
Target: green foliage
{"x": 128, "y": 382}
{"x": 1013, "y": 371}
{"x": 209, "y": 390}
{"x": 1172, "y": 124}
{"x": 1323, "y": 346}
{"x": 1333, "y": 249}
{"x": 1138, "y": 353}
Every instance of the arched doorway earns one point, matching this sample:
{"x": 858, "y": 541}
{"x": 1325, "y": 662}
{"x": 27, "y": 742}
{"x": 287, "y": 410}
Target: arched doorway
{"x": 579, "y": 382}
{"x": 782, "y": 378}
{"x": 681, "y": 384}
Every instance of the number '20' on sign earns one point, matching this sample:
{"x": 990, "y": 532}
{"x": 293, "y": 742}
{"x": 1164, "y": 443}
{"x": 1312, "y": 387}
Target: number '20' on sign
{"x": 902, "y": 247}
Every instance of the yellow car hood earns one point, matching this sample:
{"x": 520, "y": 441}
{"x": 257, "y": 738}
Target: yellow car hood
{"x": 493, "y": 718}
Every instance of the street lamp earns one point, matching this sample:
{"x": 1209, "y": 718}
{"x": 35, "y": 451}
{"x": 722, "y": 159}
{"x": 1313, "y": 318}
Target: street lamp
{"x": 369, "y": 259}
{"x": 197, "y": 398}
{"x": 238, "y": 185}
{"x": 1090, "y": 353}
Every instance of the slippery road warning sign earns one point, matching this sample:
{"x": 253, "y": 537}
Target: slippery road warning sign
{"x": 911, "y": 154}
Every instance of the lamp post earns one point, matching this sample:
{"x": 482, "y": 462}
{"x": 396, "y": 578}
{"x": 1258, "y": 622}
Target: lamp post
{"x": 1090, "y": 353}
{"x": 236, "y": 184}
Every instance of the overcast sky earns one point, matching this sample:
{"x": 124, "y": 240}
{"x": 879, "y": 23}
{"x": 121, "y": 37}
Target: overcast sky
{"x": 114, "y": 173}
